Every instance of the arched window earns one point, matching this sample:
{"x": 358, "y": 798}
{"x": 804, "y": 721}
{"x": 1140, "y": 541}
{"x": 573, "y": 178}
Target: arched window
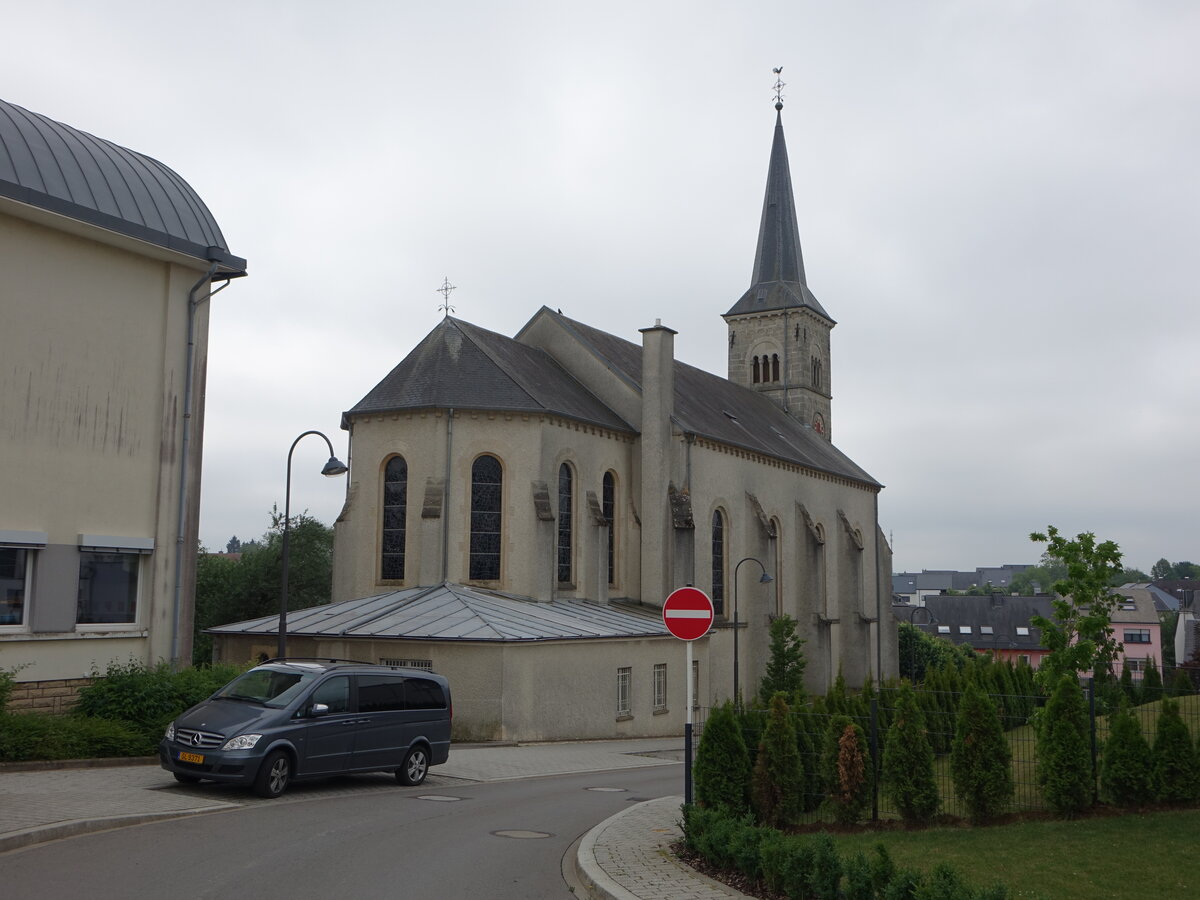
{"x": 816, "y": 372}
{"x": 756, "y": 373}
{"x": 487, "y": 482}
{"x": 395, "y": 509}
{"x": 718, "y": 562}
{"x": 774, "y": 366}
{"x": 608, "y": 509}
{"x": 566, "y": 508}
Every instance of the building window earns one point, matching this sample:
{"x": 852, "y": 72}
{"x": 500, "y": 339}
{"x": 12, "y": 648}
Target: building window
{"x": 108, "y": 588}
{"x": 1135, "y": 665}
{"x": 395, "y": 509}
{"x": 1024, "y": 658}
{"x": 660, "y": 687}
{"x": 718, "y": 563}
{"x": 14, "y": 584}
{"x": 487, "y": 482}
{"x": 624, "y": 676}
{"x": 566, "y": 506}
{"x": 756, "y": 371}
{"x": 964, "y": 629}
{"x": 1137, "y": 635}
{"x": 774, "y": 366}
{"x": 1022, "y": 631}
{"x": 816, "y": 373}
{"x": 608, "y": 510}
{"x": 985, "y": 629}
{"x": 423, "y": 664}
{"x": 943, "y": 629}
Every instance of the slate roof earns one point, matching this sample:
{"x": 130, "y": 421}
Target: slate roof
{"x": 778, "y": 280}
{"x": 63, "y": 170}
{"x": 455, "y": 612}
{"x": 1004, "y": 614}
{"x": 462, "y": 366}
{"x": 713, "y": 407}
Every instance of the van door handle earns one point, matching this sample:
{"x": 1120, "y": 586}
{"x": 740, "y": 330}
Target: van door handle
{"x": 349, "y": 722}
{"x": 364, "y": 721}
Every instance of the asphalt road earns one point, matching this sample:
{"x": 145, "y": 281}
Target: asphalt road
{"x": 494, "y": 840}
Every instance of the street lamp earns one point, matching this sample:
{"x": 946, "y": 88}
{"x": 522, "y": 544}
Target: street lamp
{"x": 334, "y": 467}
{"x": 763, "y": 579}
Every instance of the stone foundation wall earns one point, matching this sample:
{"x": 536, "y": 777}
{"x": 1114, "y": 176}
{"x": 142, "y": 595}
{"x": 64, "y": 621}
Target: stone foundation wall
{"x": 46, "y": 696}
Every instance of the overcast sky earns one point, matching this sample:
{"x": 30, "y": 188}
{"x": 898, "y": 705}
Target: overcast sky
{"x": 998, "y": 203}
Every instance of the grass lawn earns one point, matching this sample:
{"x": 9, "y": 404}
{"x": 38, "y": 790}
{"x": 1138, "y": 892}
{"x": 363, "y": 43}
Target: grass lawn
{"x": 1131, "y": 856}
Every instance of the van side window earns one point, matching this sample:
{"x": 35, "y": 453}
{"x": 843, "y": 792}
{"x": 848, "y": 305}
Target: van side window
{"x": 422, "y": 693}
{"x": 380, "y": 693}
{"x": 334, "y": 693}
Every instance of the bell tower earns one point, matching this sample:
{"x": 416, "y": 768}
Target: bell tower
{"x": 778, "y": 332}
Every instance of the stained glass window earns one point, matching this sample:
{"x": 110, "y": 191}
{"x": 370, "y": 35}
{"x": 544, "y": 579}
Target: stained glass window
{"x": 395, "y": 508}
{"x": 486, "y": 494}
{"x": 565, "y": 508}
{"x": 609, "y": 492}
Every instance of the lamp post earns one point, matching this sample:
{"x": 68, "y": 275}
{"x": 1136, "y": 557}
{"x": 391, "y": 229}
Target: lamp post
{"x": 763, "y": 579}
{"x": 334, "y": 467}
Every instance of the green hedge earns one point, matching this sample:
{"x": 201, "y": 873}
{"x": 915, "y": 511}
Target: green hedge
{"x": 38, "y": 736}
{"x": 808, "y": 867}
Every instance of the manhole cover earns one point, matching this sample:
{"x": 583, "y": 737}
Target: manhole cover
{"x": 608, "y": 790}
{"x": 522, "y": 835}
{"x": 438, "y": 798}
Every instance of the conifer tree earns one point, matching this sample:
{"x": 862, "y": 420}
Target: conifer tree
{"x": 1064, "y": 756}
{"x": 1128, "y": 688}
{"x": 1180, "y": 684}
{"x": 722, "y": 769}
{"x": 785, "y": 666}
{"x": 1151, "y": 682}
{"x": 778, "y": 781}
{"x": 980, "y": 759}
{"x": 908, "y": 773}
{"x": 847, "y": 767}
{"x": 1125, "y": 775}
{"x": 1176, "y": 777}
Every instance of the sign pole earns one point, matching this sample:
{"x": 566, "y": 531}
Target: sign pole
{"x": 688, "y": 614}
{"x": 687, "y": 731}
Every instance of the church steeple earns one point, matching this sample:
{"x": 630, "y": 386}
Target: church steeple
{"x": 778, "y": 331}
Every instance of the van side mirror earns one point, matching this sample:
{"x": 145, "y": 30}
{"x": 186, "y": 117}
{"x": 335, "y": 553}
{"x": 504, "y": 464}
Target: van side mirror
{"x": 318, "y": 709}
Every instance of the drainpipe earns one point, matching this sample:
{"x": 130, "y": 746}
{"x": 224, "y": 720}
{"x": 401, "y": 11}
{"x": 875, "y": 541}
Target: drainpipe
{"x": 446, "y": 496}
{"x": 878, "y": 602}
{"x": 185, "y": 445}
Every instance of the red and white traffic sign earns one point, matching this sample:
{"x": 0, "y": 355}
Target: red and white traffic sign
{"x": 688, "y": 613}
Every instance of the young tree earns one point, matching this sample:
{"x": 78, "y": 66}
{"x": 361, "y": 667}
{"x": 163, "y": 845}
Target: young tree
{"x": 785, "y": 667}
{"x": 1080, "y": 636}
{"x": 908, "y": 765}
{"x": 980, "y": 759}
{"x": 1176, "y": 775}
{"x": 1125, "y": 775}
{"x": 1152, "y": 686}
{"x": 722, "y": 770}
{"x": 1128, "y": 687}
{"x": 847, "y": 766}
{"x": 1064, "y": 754}
{"x": 777, "y": 788}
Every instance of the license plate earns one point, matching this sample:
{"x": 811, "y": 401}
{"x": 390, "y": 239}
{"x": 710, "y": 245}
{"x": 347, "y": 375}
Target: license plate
{"x": 197, "y": 758}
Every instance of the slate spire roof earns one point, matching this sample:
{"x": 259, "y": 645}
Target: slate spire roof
{"x": 778, "y": 280}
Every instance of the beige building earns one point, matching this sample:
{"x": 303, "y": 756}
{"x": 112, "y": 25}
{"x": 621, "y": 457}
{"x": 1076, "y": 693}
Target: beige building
{"x": 497, "y": 481}
{"x": 107, "y": 259}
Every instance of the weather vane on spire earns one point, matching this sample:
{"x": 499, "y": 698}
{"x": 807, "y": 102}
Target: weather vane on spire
{"x": 779, "y": 86}
{"x": 445, "y": 290}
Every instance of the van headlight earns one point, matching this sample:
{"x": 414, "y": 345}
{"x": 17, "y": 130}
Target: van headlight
{"x": 170, "y": 735}
{"x": 242, "y": 742}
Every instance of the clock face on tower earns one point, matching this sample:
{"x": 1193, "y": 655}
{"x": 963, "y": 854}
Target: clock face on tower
{"x": 818, "y": 424}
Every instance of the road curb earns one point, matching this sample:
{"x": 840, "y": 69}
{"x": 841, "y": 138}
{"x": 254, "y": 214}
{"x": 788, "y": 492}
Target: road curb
{"x": 58, "y": 830}
{"x": 599, "y": 885}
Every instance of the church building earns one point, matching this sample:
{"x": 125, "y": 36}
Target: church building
{"x": 519, "y": 508}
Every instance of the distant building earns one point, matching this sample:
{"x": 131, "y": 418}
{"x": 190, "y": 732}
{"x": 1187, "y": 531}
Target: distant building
{"x": 914, "y": 587}
{"x": 520, "y": 507}
{"x": 106, "y": 260}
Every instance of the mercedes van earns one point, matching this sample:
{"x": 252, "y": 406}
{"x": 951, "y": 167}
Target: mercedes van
{"x": 292, "y": 719}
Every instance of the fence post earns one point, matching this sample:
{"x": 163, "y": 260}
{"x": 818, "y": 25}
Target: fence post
{"x": 1092, "y": 716}
{"x": 875, "y": 759}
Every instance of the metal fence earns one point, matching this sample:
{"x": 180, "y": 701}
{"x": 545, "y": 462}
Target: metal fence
{"x": 940, "y": 728}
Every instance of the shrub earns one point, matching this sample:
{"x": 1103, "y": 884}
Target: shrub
{"x": 1125, "y": 775}
{"x": 29, "y": 736}
{"x": 773, "y": 852}
{"x": 722, "y": 769}
{"x": 908, "y": 765}
{"x": 903, "y": 886}
{"x": 980, "y": 760}
{"x": 847, "y": 767}
{"x": 1064, "y": 755}
{"x": 858, "y": 878}
{"x": 778, "y": 781}
{"x": 1152, "y": 685}
{"x": 1176, "y": 777}
{"x": 1179, "y": 685}
{"x": 826, "y": 872}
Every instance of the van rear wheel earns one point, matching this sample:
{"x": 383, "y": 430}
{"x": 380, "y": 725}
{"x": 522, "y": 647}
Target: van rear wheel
{"x": 274, "y": 775}
{"x": 415, "y": 767}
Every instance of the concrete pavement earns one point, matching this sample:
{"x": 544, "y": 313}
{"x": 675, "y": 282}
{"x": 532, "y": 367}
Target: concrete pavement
{"x": 622, "y": 858}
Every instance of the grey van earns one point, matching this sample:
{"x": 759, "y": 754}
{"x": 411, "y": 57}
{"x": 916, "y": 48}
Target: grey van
{"x": 291, "y": 719}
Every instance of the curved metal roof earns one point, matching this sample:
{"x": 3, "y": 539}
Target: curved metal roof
{"x": 67, "y": 171}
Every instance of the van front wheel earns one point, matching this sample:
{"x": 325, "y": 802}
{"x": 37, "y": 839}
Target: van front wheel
{"x": 273, "y": 775}
{"x": 415, "y": 767}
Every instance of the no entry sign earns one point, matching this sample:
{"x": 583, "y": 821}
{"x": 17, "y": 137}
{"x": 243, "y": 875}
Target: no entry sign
{"x": 688, "y": 613}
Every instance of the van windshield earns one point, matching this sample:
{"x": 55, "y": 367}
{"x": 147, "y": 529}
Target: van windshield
{"x": 270, "y": 687}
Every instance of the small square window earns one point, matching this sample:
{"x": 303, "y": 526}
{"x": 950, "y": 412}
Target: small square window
{"x": 985, "y": 629}
{"x": 1022, "y": 631}
{"x": 108, "y": 588}
{"x": 943, "y": 629}
{"x": 964, "y": 629}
